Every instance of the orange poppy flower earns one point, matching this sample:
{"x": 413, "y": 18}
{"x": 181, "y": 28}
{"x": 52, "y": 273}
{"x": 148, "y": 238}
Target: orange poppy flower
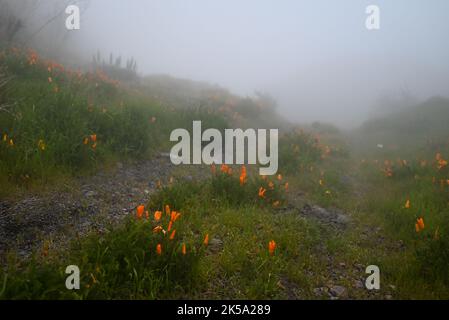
{"x": 85, "y": 141}
{"x": 147, "y": 214}
{"x": 262, "y": 192}
{"x": 159, "y": 249}
{"x": 94, "y": 146}
{"x": 224, "y": 168}
{"x": 442, "y": 163}
{"x": 167, "y": 210}
{"x": 407, "y": 204}
{"x": 174, "y": 216}
{"x": 271, "y": 247}
{"x": 243, "y": 176}
{"x": 271, "y": 185}
{"x": 157, "y": 215}
{"x": 420, "y": 223}
{"x": 170, "y": 224}
{"x": 184, "y": 251}
{"x": 140, "y": 210}
{"x": 172, "y": 236}
{"x": 93, "y": 137}
{"x": 206, "y": 239}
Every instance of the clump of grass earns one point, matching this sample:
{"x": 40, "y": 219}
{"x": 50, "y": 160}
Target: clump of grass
{"x": 131, "y": 261}
{"x": 298, "y": 149}
{"x": 56, "y": 109}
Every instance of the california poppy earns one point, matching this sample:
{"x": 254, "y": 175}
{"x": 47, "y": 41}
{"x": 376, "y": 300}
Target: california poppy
{"x": 140, "y": 210}
{"x": 407, "y": 204}
{"x": 183, "y": 249}
{"x": 206, "y": 239}
{"x": 420, "y": 222}
{"x": 157, "y": 215}
{"x": 167, "y": 210}
{"x": 224, "y": 168}
{"x": 243, "y": 176}
{"x": 93, "y": 137}
{"x": 85, "y": 141}
{"x": 170, "y": 224}
{"x": 159, "y": 249}
{"x": 262, "y": 192}
{"x": 419, "y": 225}
{"x": 172, "y": 236}
{"x": 271, "y": 247}
{"x": 174, "y": 216}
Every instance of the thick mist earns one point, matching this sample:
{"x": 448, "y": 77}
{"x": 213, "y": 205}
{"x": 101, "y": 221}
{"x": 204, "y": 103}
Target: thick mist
{"x": 316, "y": 58}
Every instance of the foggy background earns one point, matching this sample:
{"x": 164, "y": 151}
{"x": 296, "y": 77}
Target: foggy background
{"x": 316, "y": 58}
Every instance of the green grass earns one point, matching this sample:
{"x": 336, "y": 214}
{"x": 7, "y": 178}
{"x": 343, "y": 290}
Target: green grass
{"x": 321, "y": 167}
{"x": 55, "y": 109}
{"x": 123, "y": 263}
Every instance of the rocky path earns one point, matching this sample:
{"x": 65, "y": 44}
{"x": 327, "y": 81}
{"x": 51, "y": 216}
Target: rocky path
{"x": 89, "y": 204}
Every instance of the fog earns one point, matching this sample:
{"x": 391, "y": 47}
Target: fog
{"x": 316, "y": 58}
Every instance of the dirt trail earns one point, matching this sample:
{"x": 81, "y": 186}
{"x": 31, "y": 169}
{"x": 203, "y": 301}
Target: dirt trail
{"x": 90, "y": 203}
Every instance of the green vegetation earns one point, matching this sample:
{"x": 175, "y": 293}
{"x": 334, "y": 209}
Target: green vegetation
{"x": 68, "y": 122}
{"x": 55, "y": 113}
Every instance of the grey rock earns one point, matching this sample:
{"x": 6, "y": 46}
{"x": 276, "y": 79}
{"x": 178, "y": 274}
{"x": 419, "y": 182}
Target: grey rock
{"x": 338, "y": 291}
{"x": 359, "y": 284}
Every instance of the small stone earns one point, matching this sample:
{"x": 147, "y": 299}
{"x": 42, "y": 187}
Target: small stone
{"x": 215, "y": 245}
{"x": 359, "y": 284}
{"x": 338, "y": 291}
